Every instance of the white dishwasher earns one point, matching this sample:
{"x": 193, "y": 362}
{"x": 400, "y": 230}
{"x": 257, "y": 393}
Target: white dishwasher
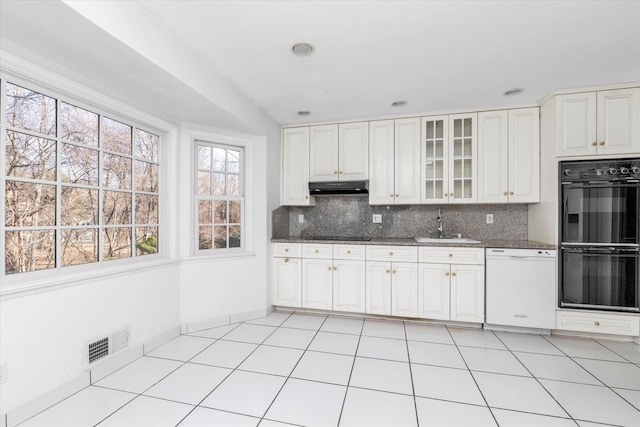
{"x": 521, "y": 288}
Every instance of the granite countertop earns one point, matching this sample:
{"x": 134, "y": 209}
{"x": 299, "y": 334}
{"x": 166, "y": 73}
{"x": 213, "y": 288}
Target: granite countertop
{"x": 507, "y": 244}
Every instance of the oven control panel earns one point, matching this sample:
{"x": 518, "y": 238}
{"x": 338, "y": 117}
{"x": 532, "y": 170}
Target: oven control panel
{"x": 606, "y": 170}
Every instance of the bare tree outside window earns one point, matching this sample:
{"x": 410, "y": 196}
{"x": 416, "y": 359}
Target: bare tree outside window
{"x": 97, "y": 201}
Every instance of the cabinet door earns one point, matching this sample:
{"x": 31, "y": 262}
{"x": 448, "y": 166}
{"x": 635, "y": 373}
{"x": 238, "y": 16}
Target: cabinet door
{"x": 433, "y": 291}
{"x": 404, "y": 289}
{"x": 524, "y": 155}
{"x": 317, "y": 284}
{"x": 463, "y": 158}
{"x": 618, "y": 126}
{"x": 576, "y": 124}
{"x": 381, "y": 179}
{"x": 323, "y": 157}
{"x": 378, "y": 288}
{"x": 407, "y": 161}
{"x": 287, "y": 282}
{"x": 349, "y": 286}
{"x": 493, "y": 157}
{"x": 434, "y": 168}
{"x": 353, "y": 151}
{"x": 295, "y": 167}
{"x": 467, "y": 293}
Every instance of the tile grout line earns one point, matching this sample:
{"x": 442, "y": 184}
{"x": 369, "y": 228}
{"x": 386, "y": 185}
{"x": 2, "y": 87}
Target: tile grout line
{"x": 353, "y": 364}
{"x": 413, "y": 388}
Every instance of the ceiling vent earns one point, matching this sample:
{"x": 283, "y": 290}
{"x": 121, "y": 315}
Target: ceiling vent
{"x": 101, "y": 349}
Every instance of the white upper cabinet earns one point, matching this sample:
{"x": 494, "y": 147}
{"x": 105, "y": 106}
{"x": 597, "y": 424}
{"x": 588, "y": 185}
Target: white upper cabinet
{"x": 295, "y": 167}
{"x": 449, "y": 159}
{"x": 509, "y": 156}
{"x": 394, "y": 162}
{"x": 339, "y": 152}
{"x": 323, "y": 156}
{"x": 606, "y": 122}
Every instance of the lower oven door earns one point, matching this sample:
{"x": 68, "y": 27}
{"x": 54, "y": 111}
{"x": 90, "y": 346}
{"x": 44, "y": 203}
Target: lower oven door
{"x": 599, "y": 278}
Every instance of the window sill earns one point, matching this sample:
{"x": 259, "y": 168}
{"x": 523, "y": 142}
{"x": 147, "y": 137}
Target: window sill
{"x": 197, "y": 258}
{"x": 16, "y": 286}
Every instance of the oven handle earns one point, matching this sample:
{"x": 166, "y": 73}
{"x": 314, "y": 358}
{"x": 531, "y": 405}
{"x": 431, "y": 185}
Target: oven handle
{"x": 603, "y": 251}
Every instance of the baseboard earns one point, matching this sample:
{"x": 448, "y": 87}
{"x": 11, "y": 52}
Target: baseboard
{"x": 39, "y": 404}
{"x": 188, "y": 328}
{"x": 592, "y": 335}
{"x": 95, "y": 374}
{"x": 517, "y": 329}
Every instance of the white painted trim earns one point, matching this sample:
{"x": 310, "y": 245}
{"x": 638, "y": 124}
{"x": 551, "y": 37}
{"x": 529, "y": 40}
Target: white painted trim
{"x": 588, "y": 89}
{"x": 201, "y": 325}
{"x": 159, "y": 340}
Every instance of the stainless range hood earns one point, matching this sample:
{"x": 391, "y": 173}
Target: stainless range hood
{"x": 339, "y": 188}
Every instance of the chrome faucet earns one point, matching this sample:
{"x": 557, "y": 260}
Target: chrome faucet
{"x": 439, "y": 221}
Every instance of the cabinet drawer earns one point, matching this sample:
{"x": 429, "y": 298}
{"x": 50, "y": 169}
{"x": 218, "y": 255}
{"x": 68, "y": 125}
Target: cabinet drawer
{"x": 392, "y": 253}
{"x": 316, "y": 250}
{"x": 449, "y": 255}
{"x": 355, "y": 252}
{"x": 616, "y": 324}
{"x": 292, "y": 250}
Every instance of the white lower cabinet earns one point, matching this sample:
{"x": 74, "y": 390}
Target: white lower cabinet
{"x": 392, "y": 288}
{"x": 349, "y": 286}
{"x": 287, "y": 280}
{"x": 451, "y": 291}
{"x": 317, "y": 284}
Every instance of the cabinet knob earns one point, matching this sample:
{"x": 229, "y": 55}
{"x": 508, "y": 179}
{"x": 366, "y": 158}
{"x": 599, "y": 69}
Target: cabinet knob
{"x": 397, "y": 195}
{"x": 335, "y": 268}
{"x": 511, "y": 193}
{"x": 601, "y": 142}
{"x": 594, "y": 143}
{"x": 450, "y": 255}
{"x": 335, "y": 172}
{"x": 390, "y": 253}
{"x": 286, "y": 260}
{"x": 328, "y": 268}
{"x": 451, "y": 194}
{"x": 306, "y": 197}
{"x": 316, "y": 251}
{"x": 390, "y": 195}
{"x": 388, "y": 271}
{"x": 453, "y": 274}
{"x": 504, "y": 194}
{"x": 446, "y": 194}
{"x": 340, "y": 172}
{"x": 596, "y": 323}
{"x": 446, "y": 273}
{"x": 394, "y": 272}
{"x": 286, "y": 249}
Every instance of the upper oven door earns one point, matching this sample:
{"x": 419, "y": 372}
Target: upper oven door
{"x": 600, "y": 213}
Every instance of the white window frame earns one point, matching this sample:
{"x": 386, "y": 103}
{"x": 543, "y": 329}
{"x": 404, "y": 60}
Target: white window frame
{"x": 247, "y": 230}
{"x": 23, "y": 73}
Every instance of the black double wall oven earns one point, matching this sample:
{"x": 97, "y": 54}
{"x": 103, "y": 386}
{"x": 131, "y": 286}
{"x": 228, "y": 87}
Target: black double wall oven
{"x": 599, "y": 234}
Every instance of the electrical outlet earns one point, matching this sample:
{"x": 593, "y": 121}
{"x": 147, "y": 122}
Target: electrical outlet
{"x": 377, "y": 218}
{"x": 301, "y": 218}
{"x": 489, "y": 218}
{"x": 3, "y": 373}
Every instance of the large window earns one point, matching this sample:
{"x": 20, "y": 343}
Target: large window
{"x": 219, "y": 197}
{"x": 79, "y": 186}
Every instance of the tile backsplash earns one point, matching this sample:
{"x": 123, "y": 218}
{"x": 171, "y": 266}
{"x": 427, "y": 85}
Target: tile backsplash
{"x": 352, "y": 216}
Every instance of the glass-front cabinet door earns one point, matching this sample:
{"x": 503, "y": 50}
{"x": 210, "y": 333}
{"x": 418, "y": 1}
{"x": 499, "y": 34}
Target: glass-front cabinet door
{"x": 463, "y": 155}
{"x": 435, "y": 163}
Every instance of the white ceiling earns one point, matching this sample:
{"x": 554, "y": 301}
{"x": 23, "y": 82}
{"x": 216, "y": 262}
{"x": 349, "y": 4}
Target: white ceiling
{"x": 227, "y": 57}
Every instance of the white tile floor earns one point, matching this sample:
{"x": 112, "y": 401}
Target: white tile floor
{"x": 315, "y": 370}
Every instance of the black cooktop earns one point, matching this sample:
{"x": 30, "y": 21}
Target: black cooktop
{"x": 342, "y": 238}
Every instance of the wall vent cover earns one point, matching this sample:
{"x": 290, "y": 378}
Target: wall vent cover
{"x": 101, "y": 348}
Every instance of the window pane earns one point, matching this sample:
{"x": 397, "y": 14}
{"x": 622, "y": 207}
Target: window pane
{"x": 116, "y": 208}
{"x": 146, "y": 145}
{"x": 116, "y": 136}
{"x": 79, "y": 165}
{"x": 78, "y": 125}
{"x": 29, "y": 205}
{"x": 220, "y": 233}
{"x": 220, "y": 212}
{"x": 79, "y": 246}
{"x": 116, "y": 243}
{"x": 146, "y": 209}
{"x": 29, "y": 250}
{"x": 204, "y": 212}
{"x": 79, "y": 206}
{"x": 30, "y": 110}
{"x": 30, "y": 157}
{"x": 234, "y": 212}
{"x": 204, "y": 237}
{"x": 146, "y": 177}
{"x": 146, "y": 240}
{"x": 204, "y": 157}
{"x": 218, "y": 159}
{"x": 233, "y": 185}
{"x": 116, "y": 172}
{"x": 233, "y": 161}
{"x": 234, "y": 236}
{"x": 204, "y": 183}
{"x": 218, "y": 184}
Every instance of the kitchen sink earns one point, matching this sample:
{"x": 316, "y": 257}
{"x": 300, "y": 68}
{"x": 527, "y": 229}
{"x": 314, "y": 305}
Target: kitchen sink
{"x": 452, "y": 240}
